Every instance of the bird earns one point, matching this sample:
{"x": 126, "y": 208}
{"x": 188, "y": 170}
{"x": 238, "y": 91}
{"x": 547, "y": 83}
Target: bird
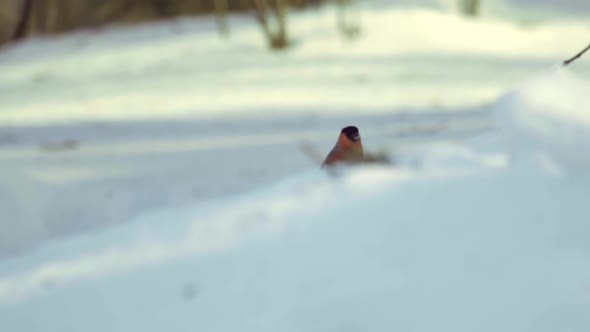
{"x": 348, "y": 148}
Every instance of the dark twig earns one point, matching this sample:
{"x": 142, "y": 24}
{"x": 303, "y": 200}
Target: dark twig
{"x": 567, "y": 62}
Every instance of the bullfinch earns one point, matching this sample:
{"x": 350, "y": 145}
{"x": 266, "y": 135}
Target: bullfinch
{"x": 348, "y": 148}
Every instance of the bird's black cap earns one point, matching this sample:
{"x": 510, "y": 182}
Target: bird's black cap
{"x": 352, "y": 133}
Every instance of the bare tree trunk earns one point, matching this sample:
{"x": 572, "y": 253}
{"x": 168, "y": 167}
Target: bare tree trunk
{"x": 277, "y": 39}
{"x": 261, "y": 17}
{"x": 470, "y": 7}
{"x": 281, "y": 12}
{"x": 346, "y": 28}
{"x": 23, "y": 22}
{"x": 221, "y": 7}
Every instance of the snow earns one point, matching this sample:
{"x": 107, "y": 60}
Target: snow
{"x": 475, "y": 244}
{"x": 168, "y": 70}
{"x": 379, "y": 249}
{"x": 548, "y": 115}
{"x": 151, "y": 180}
{"x": 130, "y": 168}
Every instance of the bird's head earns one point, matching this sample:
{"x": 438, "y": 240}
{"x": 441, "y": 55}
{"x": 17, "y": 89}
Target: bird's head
{"x": 352, "y": 133}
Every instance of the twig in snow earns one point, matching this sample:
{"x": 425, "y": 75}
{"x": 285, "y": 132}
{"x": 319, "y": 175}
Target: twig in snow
{"x": 68, "y": 144}
{"x": 312, "y": 153}
{"x": 370, "y": 158}
{"x": 567, "y": 62}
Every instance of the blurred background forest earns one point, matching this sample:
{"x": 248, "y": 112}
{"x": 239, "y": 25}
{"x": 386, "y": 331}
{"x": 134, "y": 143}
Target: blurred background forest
{"x": 22, "y": 18}
{"x": 41, "y": 17}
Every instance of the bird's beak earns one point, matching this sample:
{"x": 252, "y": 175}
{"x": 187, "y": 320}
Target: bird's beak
{"x": 356, "y": 137}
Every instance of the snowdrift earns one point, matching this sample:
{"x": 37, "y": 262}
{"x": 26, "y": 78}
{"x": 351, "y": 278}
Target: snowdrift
{"x": 376, "y": 250}
{"x": 547, "y": 118}
{"x": 478, "y": 246}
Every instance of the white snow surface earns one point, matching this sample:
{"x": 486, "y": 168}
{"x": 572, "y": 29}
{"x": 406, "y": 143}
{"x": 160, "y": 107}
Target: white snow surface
{"x": 460, "y": 240}
{"x": 189, "y": 217}
{"x": 164, "y": 114}
{"x": 485, "y": 249}
{"x": 547, "y": 117}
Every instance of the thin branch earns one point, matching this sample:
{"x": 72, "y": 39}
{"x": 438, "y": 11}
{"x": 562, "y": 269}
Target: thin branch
{"x": 567, "y": 62}
{"x": 311, "y": 152}
{"x": 221, "y": 7}
{"x": 314, "y": 155}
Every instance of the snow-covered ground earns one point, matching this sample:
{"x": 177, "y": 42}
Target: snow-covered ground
{"x": 459, "y": 237}
{"x": 175, "y": 159}
{"x": 499, "y": 249}
{"x": 97, "y": 127}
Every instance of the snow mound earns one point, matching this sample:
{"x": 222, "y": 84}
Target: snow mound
{"x": 375, "y": 249}
{"x": 548, "y": 117}
{"x": 465, "y": 242}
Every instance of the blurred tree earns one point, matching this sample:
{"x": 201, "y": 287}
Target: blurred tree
{"x": 22, "y": 18}
{"x": 344, "y": 22}
{"x": 25, "y": 16}
{"x": 163, "y": 8}
{"x": 277, "y": 37}
{"x": 221, "y": 7}
{"x": 470, "y": 7}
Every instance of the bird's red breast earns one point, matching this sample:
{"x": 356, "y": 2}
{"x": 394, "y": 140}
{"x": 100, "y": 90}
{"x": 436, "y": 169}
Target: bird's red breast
{"x": 346, "y": 150}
